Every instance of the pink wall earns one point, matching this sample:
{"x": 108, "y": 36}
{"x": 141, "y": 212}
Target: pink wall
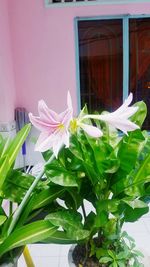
{"x": 44, "y": 49}
{"x": 7, "y": 89}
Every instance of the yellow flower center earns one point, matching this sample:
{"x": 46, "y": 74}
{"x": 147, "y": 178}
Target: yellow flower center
{"x": 73, "y": 126}
{"x": 61, "y": 126}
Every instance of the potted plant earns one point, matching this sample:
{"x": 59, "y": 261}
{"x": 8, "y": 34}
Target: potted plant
{"x": 90, "y": 160}
{"x": 86, "y": 159}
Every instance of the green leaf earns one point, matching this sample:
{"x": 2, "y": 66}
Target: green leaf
{"x": 71, "y": 222}
{"x": 139, "y": 253}
{"x": 101, "y": 219}
{"x": 59, "y": 175}
{"x": 105, "y": 259}
{"x": 72, "y": 198}
{"x": 121, "y": 264}
{"x": 90, "y": 221}
{"x": 141, "y": 113}
{"x": 17, "y": 143}
{"x": 59, "y": 237}
{"x": 109, "y": 205}
{"x": 100, "y": 252}
{"x": 31, "y": 233}
{"x": 10, "y": 152}
{"x": 131, "y": 215}
{"x": 47, "y": 154}
{"x": 114, "y": 264}
{"x": 2, "y": 219}
{"x": 136, "y": 203}
{"x": 135, "y": 174}
{"x": 110, "y": 229}
{"x": 123, "y": 255}
{"x": 46, "y": 196}
{"x": 16, "y": 184}
{"x": 129, "y": 149}
{"x": 4, "y": 168}
{"x": 111, "y": 253}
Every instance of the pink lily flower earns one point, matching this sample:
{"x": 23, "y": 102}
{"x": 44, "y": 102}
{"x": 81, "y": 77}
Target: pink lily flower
{"x": 54, "y": 127}
{"x": 119, "y": 119}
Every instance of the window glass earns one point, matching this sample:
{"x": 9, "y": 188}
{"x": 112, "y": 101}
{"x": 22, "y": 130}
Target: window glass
{"x": 101, "y": 63}
{"x": 139, "y": 81}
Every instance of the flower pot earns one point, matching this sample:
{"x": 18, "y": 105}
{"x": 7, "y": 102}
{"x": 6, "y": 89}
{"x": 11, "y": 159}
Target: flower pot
{"x": 70, "y": 259}
{"x": 10, "y": 264}
{"x": 11, "y": 259}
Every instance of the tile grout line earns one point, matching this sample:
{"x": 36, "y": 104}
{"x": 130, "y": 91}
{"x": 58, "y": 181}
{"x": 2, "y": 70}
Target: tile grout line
{"x": 60, "y": 248}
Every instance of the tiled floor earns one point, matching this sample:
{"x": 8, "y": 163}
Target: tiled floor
{"x": 56, "y": 255}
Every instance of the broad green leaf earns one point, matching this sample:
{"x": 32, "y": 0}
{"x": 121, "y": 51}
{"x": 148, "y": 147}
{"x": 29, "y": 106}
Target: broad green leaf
{"x": 123, "y": 254}
{"x": 59, "y": 237}
{"x": 105, "y": 259}
{"x": 131, "y": 215}
{"x": 141, "y": 113}
{"x": 31, "y": 233}
{"x": 90, "y": 220}
{"x": 101, "y": 252}
{"x": 2, "y": 219}
{"x": 46, "y": 196}
{"x": 16, "y": 184}
{"x": 110, "y": 229}
{"x": 101, "y": 219}
{"x": 71, "y": 222}
{"x": 109, "y": 205}
{"x": 129, "y": 149}
{"x": 121, "y": 263}
{"x": 136, "y": 203}
{"x": 131, "y": 181}
{"x": 72, "y": 198}
{"x": 59, "y": 175}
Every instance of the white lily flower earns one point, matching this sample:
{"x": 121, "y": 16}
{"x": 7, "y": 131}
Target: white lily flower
{"x": 54, "y": 127}
{"x": 119, "y": 119}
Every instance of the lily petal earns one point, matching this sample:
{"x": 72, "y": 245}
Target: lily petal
{"x": 47, "y": 114}
{"x": 125, "y": 105}
{"x": 91, "y": 130}
{"x": 42, "y": 125}
{"x": 44, "y": 142}
{"x": 69, "y": 101}
{"x": 119, "y": 118}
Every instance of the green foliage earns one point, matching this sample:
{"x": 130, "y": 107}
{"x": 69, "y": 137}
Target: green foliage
{"x": 71, "y": 222}
{"x": 30, "y": 233}
{"x": 9, "y": 151}
{"x": 112, "y": 173}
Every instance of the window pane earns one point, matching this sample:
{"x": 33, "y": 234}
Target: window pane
{"x": 140, "y": 62}
{"x": 101, "y": 63}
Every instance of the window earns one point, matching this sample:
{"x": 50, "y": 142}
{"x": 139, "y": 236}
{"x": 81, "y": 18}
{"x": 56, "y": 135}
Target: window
{"x": 58, "y": 3}
{"x": 114, "y": 59}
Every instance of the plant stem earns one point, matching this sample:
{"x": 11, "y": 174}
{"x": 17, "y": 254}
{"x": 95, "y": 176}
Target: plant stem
{"x": 26, "y": 197}
{"x": 83, "y": 209}
{"x": 86, "y": 253}
{"x": 10, "y": 208}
